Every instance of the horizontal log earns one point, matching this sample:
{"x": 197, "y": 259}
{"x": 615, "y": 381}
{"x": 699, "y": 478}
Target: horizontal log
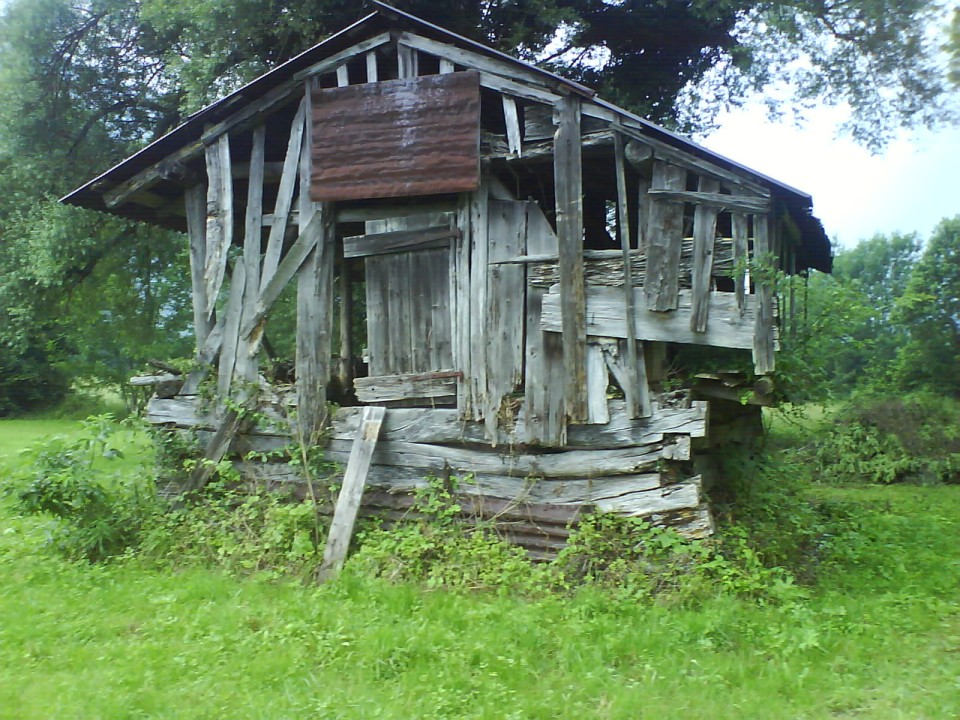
{"x": 399, "y": 241}
{"x": 606, "y": 317}
{"x": 716, "y": 200}
{"x": 443, "y": 426}
{"x": 440, "y": 386}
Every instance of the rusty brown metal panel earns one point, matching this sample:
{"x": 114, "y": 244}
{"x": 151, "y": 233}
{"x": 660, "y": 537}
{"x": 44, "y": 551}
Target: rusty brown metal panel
{"x": 398, "y": 138}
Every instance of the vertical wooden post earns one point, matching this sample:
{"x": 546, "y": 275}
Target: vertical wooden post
{"x": 479, "y": 236}
{"x": 568, "y": 187}
{"x": 633, "y": 393}
{"x": 763, "y": 336}
{"x": 741, "y": 257}
{"x": 346, "y": 326}
{"x": 704, "y": 236}
{"x": 664, "y": 240}
{"x": 196, "y": 208}
{"x": 219, "y": 232}
{"x": 246, "y": 362}
{"x": 314, "y": 300}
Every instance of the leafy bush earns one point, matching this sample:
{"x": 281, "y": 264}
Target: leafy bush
{"x": 97, "y": 514}
{"x": 892, "y": 439}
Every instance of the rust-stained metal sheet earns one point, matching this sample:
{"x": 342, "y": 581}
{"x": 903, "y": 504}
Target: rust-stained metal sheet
{"x": 398, "y": 138}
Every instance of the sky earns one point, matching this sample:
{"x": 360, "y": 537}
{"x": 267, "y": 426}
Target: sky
{"x": 909, "y": 187}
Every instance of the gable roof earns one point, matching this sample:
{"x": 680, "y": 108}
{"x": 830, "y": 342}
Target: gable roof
{"x": 814, "y": 251}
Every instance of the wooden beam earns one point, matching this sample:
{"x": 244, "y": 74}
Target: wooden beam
{"x": 343, "y": 75}
{"x": 195, "y": 201}
{"x": 407, "y": 62}
{"x": 219, "y": 233}
{"x": 568, "y": 184}
{"x": 512, "y": 121}
{"x": 331, "y": 63}
{"x": 741, "y": 257}
{"x": 441, "y": 385}
{"x": 714, "y": 199}
{"x": 398, "y": 241}
{"x": 348, "y": 501}
{"x": 664, "y": 241}
{"x": 246, "y": 362}
{"x": 704, "y": 238}
{"x": 764, "y": 341}
{"x": 372, "y": 72}
{"x": 632, "y": 391}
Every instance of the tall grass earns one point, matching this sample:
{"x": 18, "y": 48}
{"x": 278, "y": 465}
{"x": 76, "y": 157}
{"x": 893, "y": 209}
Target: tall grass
{"x": 876, "y": 636}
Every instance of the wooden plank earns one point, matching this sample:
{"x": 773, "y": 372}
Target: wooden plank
{"x": 631, "y": 382}
{"x": 764, "y": 345}
{"x": 195, "y": 200}
{"x": 381, "y": 211}
{"x": 348, "y": 501}
{"x": 704, "y": 237}
{"x": 314, "y": 309}
{"x": 408, "y": 65}
{"x": 619, "y": 361}
{"x": 712, "y": 198}
{"x": 443, "y": 426}
{"x": 398, "y": 241}
{"x": 543, "y": 397}
{"x": 438, "y": 386}
{"x": 664, "y": 241}
{"x": 372, "y": 73}
{"x": 504, "y": 316}
{"x": 597, "y": 381}
{"x": 605, "y": 318}
{"x": 462, "y": 320}
{"x": 231, "y": 332}
{"x": 479, "y": 213}
{"x": 216, "y": 450}
{"x": 345, "y": 373}
{"x": 246, "y": 363}
{"x": 568, "y": 184}
{"x": 446, "y": 66}
{"x": 343, "y": 75}
{"x": 512, "y": 122}
{"x": 219, "y": 232}
{"x": 281, "y": 211}
{"x": 740, "y": 259}
{"x": 337, "y": 59}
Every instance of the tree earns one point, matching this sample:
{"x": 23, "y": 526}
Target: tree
{"x": 930, "y": 311}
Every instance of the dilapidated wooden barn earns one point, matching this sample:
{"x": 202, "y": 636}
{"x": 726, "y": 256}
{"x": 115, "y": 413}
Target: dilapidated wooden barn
{"x": 533, "y": 262}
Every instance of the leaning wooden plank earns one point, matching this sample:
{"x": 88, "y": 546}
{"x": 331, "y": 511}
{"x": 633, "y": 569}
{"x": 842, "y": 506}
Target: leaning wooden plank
{"x": 348, "y": 501}
{"x": 398, "y": 241}
{"x": 617, "y": 357}
{"x": 512, "y": 122}
{"x": 315, "y": 230}
{"x": 605, "y": 319}
{"x": 568, "y": 188}
{"x": 630, "y": 383}
{"x": 437, "y": 386}
{"x": 219, "y": 233}
{"x": 337, "y": 59}
{"x": 704, "y": 239}
{"x": 288, "y": 182}
{"x": 713, "y": 199}
{"x": 504, "y": 315}
{"x": 740, "y": 259}
{"x": 195, "y": 200}
{"x": 764, "y": 343}
{"x": 664, "y": 240}
{"x": 204, "y": 359}
{"x": 216, "y": 449}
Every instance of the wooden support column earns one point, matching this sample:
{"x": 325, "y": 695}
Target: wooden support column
{"x": 219, "y": 232}
{"x": 479, "y": 239}
{"x": 636, "y": 394}
{"x": 664, "y": 240}
{"x": 512, "y": 121}
{"x": 763, "y": 336}
{"x": 568, "y": 184}
{"x": 314, "y": 301}
{"x": 346, "y": 326}
{"x": 741, "y": 256}
{"x": 195, "y": 201}
{"x": 704, "y": 236}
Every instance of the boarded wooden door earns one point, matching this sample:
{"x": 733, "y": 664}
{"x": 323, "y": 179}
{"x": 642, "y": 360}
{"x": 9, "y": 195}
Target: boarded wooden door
{"x": 409, "y": 336}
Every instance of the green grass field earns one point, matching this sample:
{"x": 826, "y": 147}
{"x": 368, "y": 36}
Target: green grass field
{"x": 127, "y": 640}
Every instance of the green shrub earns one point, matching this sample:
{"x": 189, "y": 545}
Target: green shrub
{"x": 97, "y": 513}
{"x": 892, "y": 439}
